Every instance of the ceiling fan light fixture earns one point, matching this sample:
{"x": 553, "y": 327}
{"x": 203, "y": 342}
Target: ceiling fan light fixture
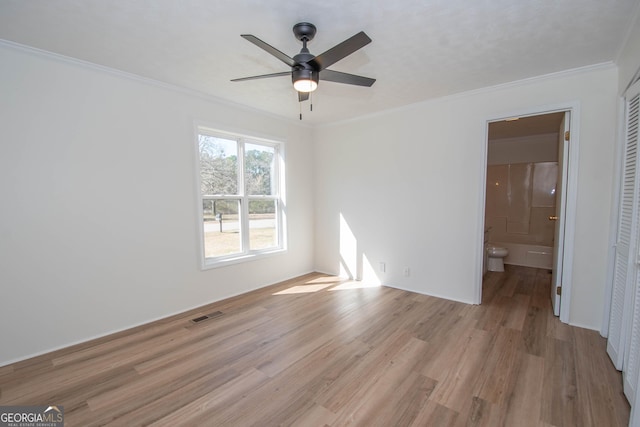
{"x": 305, "y": 80}
{"x": 305, "y": 85}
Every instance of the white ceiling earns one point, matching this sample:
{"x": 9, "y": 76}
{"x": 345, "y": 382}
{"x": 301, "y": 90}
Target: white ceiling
{"x": 421, "y": 49}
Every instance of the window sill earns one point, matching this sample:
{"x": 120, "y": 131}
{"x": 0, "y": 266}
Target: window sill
{"x": 209, "y": 263}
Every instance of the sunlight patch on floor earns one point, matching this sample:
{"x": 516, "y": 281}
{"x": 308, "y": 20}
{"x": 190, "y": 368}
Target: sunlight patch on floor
{"x": 331, "y": 283}
{"x": 329, "y": 279}
{"x": 304, "y": 289}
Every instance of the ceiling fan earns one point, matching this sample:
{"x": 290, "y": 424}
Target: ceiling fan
{"x": 307, "y": 69}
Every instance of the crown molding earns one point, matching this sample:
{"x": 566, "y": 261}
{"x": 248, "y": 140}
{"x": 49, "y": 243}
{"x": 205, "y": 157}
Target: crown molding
{"x": 144, "y": 80}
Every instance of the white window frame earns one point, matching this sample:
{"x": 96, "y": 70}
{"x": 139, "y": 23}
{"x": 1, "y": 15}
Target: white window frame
{"x": 278, "y": 189}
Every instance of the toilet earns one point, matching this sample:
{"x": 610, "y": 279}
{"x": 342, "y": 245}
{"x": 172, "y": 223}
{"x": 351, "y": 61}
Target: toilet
{"x": 496, "y": 256}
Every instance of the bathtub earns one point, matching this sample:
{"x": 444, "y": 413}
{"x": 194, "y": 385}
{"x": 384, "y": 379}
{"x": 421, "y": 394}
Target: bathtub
{"x": 527, "y": 255}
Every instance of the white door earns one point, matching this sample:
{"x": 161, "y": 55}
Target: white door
{"x": 631, "y": 362}
{"x": 624, "y": 263}
{"x": 561, "y": 203}
{"x": 631, "y": 359}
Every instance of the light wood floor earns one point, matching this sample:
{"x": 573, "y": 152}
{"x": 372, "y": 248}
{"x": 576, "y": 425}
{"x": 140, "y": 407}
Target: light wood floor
{"x": 314, "y": 352}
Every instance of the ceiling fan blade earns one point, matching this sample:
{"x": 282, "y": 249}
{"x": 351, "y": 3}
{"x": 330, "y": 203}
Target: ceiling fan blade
{"x": 303, "y": 96}
{"x": 341, "y": 50}
{"x": 269, "y": 49}
{"x": 350, "y": 79}
{"x": 263, "y": 76}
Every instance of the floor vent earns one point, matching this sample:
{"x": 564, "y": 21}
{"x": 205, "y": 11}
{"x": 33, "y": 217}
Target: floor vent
{"x": 207, "y": 317}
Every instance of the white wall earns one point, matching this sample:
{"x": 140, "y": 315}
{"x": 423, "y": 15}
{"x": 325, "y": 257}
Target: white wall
{"x": 98, "y": 224}
{"x": 409, "y": 184}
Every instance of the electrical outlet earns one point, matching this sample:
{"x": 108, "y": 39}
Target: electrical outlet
{"x": 382, "y": 267}
{"x": 407, "y": 272}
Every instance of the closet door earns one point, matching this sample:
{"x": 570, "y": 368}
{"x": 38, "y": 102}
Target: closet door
{"x": 631, "y": 360}
{"x": 621, "y": 297}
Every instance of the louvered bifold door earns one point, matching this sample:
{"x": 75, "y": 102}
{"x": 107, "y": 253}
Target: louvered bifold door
{"x": 627, "y": 212}
{"x": 631, "y": 362}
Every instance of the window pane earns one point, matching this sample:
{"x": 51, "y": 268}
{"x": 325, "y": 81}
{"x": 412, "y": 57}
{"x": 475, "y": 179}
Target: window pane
{"x": 221, "y": 227}
{"x": 259, "y": 169}
{"x": 218, "y": 165}
{"x": 262, "y": 224}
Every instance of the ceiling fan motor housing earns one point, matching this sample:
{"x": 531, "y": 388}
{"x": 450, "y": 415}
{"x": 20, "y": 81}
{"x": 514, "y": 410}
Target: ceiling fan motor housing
{"x": 304, "y": 74}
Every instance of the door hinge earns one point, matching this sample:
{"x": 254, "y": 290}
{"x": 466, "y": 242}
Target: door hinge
{"x": 567, "y": 135}
{"x": 559, "y": 290}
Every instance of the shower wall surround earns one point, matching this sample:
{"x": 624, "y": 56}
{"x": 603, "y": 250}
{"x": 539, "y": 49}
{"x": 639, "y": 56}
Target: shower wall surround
{"x": 520, "y": 199}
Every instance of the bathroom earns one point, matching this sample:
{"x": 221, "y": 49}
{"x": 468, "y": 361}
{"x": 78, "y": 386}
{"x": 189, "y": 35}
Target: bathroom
{"x": 520, "y": 204}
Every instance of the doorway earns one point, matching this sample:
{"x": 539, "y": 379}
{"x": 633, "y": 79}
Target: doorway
{"x": 531, "y": 162}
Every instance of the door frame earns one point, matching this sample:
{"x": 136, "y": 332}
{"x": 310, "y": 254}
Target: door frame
{"x": 558, "y": 246}
{"x": 571, "y": 163}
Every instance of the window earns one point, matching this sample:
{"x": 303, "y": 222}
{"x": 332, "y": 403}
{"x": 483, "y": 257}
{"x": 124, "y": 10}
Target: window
{"x": 240, "y": 202}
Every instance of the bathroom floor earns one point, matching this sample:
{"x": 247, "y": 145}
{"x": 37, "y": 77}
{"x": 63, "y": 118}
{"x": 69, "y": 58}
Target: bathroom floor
{"x": 518, "y": 280}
